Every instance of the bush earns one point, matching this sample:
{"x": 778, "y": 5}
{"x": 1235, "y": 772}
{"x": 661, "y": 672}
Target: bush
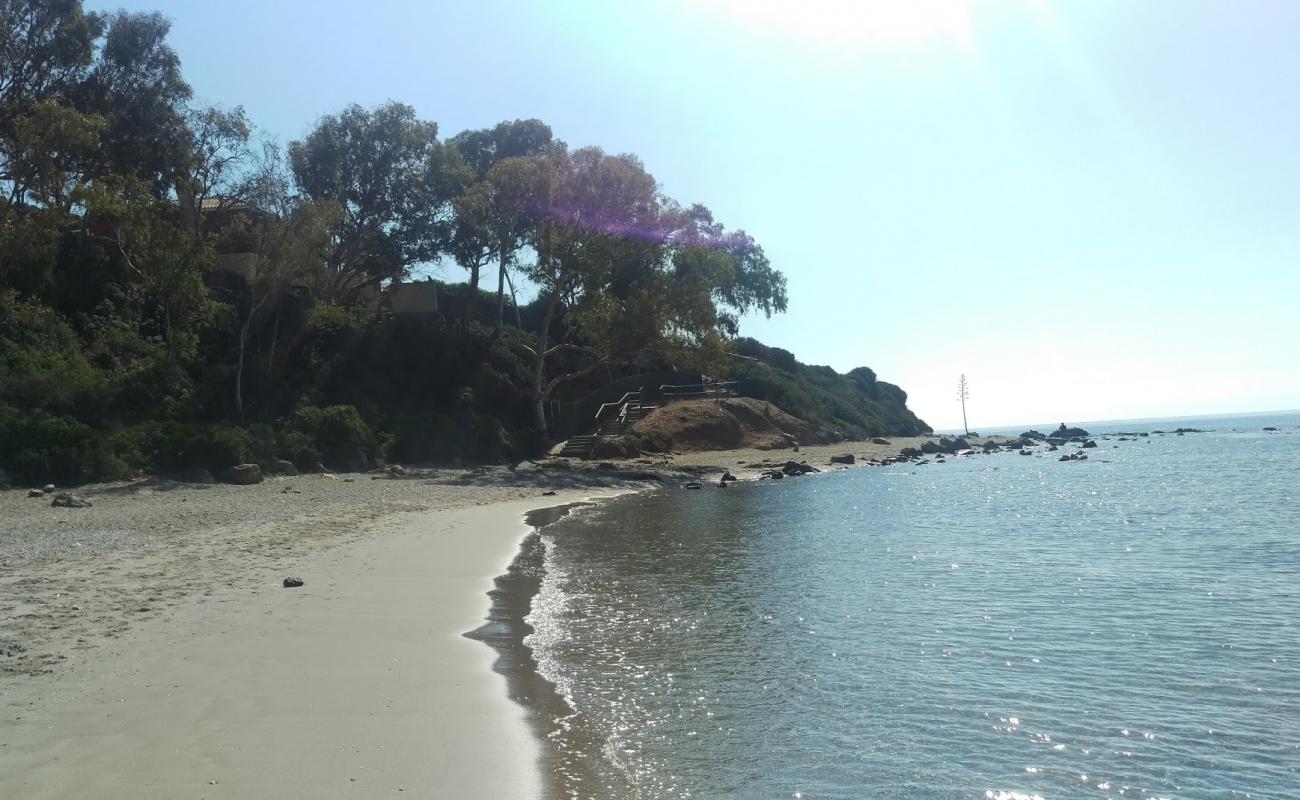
{"x": 444, "y": 437}
{"x": 339, "y": 434}
{"x": 649, "y": 441}
{"x": 39, "y": 448}
{"x": 215, "y": 447}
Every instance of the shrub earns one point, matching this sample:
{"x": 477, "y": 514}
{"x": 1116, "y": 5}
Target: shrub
{"x": 36, "y": 448}
{"x": 649, "y": 441}
{"x": 216, "y": 447}
{"x": 339, "y": 434}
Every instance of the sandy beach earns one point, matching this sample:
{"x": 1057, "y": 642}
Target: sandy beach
{"x": 153, "y": 652}
{"x": 150, "y": 649}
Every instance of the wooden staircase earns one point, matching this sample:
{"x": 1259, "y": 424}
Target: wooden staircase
{"x": 630, "y": 411}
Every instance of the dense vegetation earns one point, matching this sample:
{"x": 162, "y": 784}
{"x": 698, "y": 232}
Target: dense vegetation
{"x": 177, "y": 290}
{"x": 855, "y": 405}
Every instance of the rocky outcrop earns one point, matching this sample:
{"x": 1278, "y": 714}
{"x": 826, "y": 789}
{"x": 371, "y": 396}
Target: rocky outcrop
{"x": 1067, "y": 433}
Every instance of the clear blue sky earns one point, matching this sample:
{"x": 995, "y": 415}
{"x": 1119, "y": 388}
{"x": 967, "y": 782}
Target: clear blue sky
{"x": 1092, "y": 208}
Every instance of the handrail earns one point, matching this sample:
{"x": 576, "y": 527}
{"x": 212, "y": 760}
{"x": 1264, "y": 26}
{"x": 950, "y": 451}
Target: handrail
{"x": 622, "y": 401}
{"x": 699, "y": 390}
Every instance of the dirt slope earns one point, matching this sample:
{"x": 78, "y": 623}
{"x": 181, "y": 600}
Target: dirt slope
{"x": 697, "y": 425}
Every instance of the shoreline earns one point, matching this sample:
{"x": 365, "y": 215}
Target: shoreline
{"x": 147, "y": 648}
{"x": 360, "y": 682}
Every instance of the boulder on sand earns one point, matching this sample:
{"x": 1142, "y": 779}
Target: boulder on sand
{"x": 283, "y": 466}
{"x": 847, "y": 458}
{"x": 67, "y": 500}
{"x": 930, "y": 448}
{"x": 245, "y": 474}
{"x": 879, "y": 440}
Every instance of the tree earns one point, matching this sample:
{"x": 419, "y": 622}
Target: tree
{"x": 215, "y": 172}
{"x": 136, "y": 85}
{"x": 168, "y": 260}
{"x": 46, "y": 50}
{"x": 486, "y": 219}
{"x": 290, "y": 241}
{"x": 393, "y": 182}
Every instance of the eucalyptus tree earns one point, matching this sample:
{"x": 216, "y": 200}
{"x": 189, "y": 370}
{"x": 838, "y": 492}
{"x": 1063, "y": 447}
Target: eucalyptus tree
{"x": 393, "y": 183}
{"x": 486, "y": 222}
{"x": 135, "y": 84}
{"x": 289, "y": 238}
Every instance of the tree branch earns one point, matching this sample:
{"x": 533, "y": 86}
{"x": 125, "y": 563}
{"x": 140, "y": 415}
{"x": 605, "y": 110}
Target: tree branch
{"x": 568, "y": 376}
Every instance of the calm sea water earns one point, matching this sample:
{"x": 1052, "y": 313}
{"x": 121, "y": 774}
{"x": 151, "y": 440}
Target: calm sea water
{"x": 994, "y": 627}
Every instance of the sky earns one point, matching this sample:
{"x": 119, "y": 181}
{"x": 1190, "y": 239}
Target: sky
{"x": 1090, "y": 208}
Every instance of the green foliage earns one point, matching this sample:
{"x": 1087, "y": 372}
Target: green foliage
{"x": 214, "y": 446}
{"x": 649, "y": 441}
{"x": 339, "y": 434}
{"x": 173, "y": 296}
{"x": 42, "y": 366}
{"x": 38, "y": 447}
{"x": 855, "y": 405}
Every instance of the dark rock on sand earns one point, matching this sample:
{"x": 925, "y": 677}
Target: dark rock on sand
{"x": 67, "y": 500}
{"x": 283, "y": 466}
{"x": 798, "y": 468}
{"x": 245, "y": 474}
{"x": 879, "y": 440}
{"x": 35, "y": 493}
{"x": 990, "y": 446}
{"x": 930, "y": 448}
{"x": 292, "y": 583}
{"x": 847, "y": 458}
{"x": 909, "y": 452}
{"x": 398, "y": 471}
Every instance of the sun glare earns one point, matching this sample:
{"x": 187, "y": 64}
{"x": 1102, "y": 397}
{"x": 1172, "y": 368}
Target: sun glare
{"x": 856, "y": 22}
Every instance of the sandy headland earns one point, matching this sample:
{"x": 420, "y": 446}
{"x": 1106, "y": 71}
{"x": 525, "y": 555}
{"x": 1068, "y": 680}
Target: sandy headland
{"x": 148, "y": 647}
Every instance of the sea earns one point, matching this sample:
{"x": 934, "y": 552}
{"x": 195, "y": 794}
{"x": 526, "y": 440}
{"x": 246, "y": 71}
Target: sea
{"x": 996, "y": 627}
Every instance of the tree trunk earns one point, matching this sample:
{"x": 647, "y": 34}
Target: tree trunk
{"x": 243, "y": 346}
{"x": 239, "y": 368}
{"x": 471, "y": 297}
{"x": 501, "y": 284}
{"x": 539, "y": 368}
{"x": 514, "y": 300}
